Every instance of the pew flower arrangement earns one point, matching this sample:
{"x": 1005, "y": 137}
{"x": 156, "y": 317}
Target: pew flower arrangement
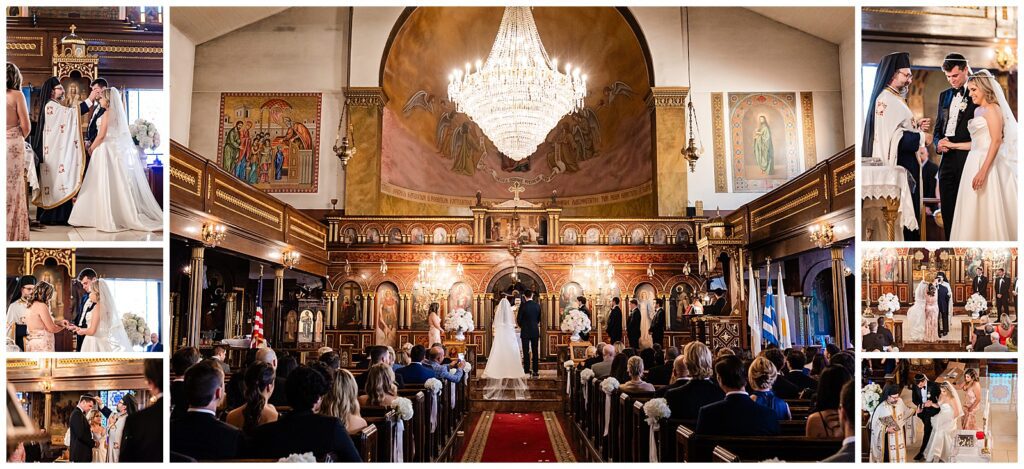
{"x": 609, "y": 385}
{"x": 459, "y": 322}
{"x": 586, "y": 375}
{"x": 434, "y": 385}
{"x": 467, "y": 370}
{"x": 575, "y": 323}
{"x": 976, "y": 304}
{"x": 657, "y": 409}
{"x": 568, "y": 364}
{"x": 403, "y": 407}
{"x": 136, "y": 328}
{"x": 871, "y": 395}
{"x": 889, "y": 304}
{"x": 300, "y": 458}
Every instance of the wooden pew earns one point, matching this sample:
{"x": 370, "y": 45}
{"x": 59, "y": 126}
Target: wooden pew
{"x": 431, "y": 441}
{"x": 383, "y": 418}
{"x": 628, "y": 425}
{"x": 701, "y": 448}
{"x": 614, "y": 449}
{"x": 366, "y": 443}
{"x": 415, "y": 448}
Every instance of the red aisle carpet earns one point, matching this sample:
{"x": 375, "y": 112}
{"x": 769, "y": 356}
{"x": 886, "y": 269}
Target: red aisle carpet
{"x": 533, "y": 437}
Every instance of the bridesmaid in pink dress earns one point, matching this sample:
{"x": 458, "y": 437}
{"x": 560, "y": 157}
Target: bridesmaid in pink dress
{"x": 17, "y": 129}
{"x": 41, "y": 326}
{"x": 972, "y": 390}
{"x": 931, "y": 315}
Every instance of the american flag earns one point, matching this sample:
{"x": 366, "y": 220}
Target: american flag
{"x": 257, "y": 323}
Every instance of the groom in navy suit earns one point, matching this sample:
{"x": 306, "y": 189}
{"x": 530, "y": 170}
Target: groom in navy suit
{"x": 528, "y": 320}
{"x": 943, "y": 297}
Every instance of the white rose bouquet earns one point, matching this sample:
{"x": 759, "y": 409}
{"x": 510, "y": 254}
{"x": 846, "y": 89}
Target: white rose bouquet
{"x": 403, "y": 407}
{"x": 434, "y": 385}
{"x": 568, "y": 364}
{"x": 459, "y": 322}
{"x": 575, "y": 323}
{"x": 586, "y": 375}
{"x": 657, "y": 409}
{"x": 145, "y": 134}
{"x": 136, "y": 328}
{"x": 299, "y": 458}
{"x": 888, "y": 303}
{"x": 976, "y": 304}
{"x": 609, "y": 385}
{"x": 870, "y": 396}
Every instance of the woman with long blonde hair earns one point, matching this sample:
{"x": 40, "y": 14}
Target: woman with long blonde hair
{"x": 342, "y": 401}
{"x": 380, "y": 386}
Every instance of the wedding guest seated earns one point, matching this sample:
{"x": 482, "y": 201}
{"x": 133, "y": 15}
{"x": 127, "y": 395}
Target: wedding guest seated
{"x": 825, "y": 421}
{"x": 435, "y": 359}
{"x": 142, "y": 439}
{"x": 737, "y": 414}
{"x": 220, "y": 353}
{"x": 887, "y": 339}
{"x": 603, "y": 369}
{"x": 257, "y": 410}
{"x": 619, "y": 370}
{"x": 594, "y": 355}
{"x": 817, "y": 366}
{"x": 647, "y": 355}
{"x": 700, "y": 390}
{"x": 1005, "y": 328}
{"x": 660, "y": 375}
{"x": 379, "y": 354}
{"x": 445, "y": 359}
{"x": 845, "y": 360}
{"x": 323, "y": 350}
{"x": 872, "y": 341}
{"x": 380, "y": 387}
{"x": 303, "y": 430}
{"x": 342, "y": 401}
{"x": 198, "y": 434}
{"x": 415, "y": 372}
{"x": 761, "y": 376}
{"x": 268, "y": 356}
{"x": 982, "y": 337}
{"x": 680, "y": 376}
{"x": 995, "y": 346}
{"x": 619, "y": 347}
{"x": 848, "y": 420}
{"x": 796, "y": 374}
{"x": 402, "y": 359}
{"x": 331, "y": 360}
{"x": 782, "y": 387}
{"x": 181, "y": 360}
{"x": 636, "y": 383}
{"x": 724, "y": 352}
{"x": 659, "y": 356}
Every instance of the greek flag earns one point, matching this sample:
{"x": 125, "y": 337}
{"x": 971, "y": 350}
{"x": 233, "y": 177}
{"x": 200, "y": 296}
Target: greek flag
{"x": 768, "y": 319}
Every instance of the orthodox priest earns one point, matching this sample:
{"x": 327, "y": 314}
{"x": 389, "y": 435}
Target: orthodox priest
{"x": 18, "y": 310}
{"x": 892, "y": 425}
{"x": 891, "y": 133}
{"x": 57, "y": 142}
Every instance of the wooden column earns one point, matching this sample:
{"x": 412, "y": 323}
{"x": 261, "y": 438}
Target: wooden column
{"x": 403, "y": 298}
{"x": 276, "y": 312}
{"x": 366, "y": 311}
{"x": 476, "y": 310}
{"x": 195, "y": 296}
{"x": 371, "y": 312}
{"x": 47, "y": 412}
{"x": 839, "y": 298}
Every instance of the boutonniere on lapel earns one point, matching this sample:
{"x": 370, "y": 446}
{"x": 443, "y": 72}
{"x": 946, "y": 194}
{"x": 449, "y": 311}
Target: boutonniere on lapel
{"x": 962, "y": 106}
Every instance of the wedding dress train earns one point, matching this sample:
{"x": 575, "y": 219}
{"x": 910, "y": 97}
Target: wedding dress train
{"x": 916, "y": 315}
{"x": 503, "y": 376}
{"x": 942, "y": 444}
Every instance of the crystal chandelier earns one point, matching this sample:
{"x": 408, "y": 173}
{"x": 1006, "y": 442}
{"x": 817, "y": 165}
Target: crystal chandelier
{"x": 518, "y": 95}
{"x": 436, "y": 276}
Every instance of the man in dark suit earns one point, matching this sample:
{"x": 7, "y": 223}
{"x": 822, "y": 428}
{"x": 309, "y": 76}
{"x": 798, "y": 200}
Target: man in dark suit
{"x": 302, "y": 430}
{"x": 154, "y": 344}
{"x": 872, "y": 341}
{"x": 796, "y": 360}
{"x": 198, "y": 434}
{"x": 377, "y": 355}
{"x": 926, "y": 397}
{"x": 955, "y": 109}
{"x": 1003, "y": 287}
{"x": 86, "y": 277}
{"x": 980, "y": 283}
{"x": 142, "y": 439}
{"x": 847, "y": 420}
{"x": 582, "y": 300}
{"x": 736, "y": 415}
{"x": 415, "y": 372}
{"x": 633, "y": 326}
{"x": 528, "y": 320}
{"x": 181, "y": 361}
{"x": 783, "y": 388}
{"x": 699, "y": 389}
{"x": 614, "y": 327}
{"x": 92, "y": 104}
{"x": 661, "y": 374}
{"x": 943, "y": 294}
{"x": 680, "y": 376}
{"x": 80, "y": 449}
{"x": 598, "y": 355}
{"x": 717, "y": 307}
{"x": 886, "y": 335}
{"x": 657, "y": 328}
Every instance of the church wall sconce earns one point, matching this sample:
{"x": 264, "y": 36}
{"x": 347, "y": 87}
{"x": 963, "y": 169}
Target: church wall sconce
{"x": 822, "y": 234}
{"x": 1006, "y": 58}
{"x": 187, "y": 270}
{"x": 213, "y": 234}
{"x": 290, "y": 259}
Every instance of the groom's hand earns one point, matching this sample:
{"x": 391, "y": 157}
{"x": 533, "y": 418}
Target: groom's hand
{"x": 925, "y": 124}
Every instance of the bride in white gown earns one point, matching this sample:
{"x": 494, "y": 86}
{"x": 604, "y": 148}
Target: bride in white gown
{"x": 106, "y": 330}
{"x": 915, "y": 315}
{"x": 115, "y": 195}
{"x": 986, "y": 204}
{"x": 503, "y": 376}
{"x": 942, "y": 444}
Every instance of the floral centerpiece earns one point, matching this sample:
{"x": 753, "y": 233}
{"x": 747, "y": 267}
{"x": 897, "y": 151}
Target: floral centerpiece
{"x": 575, "y": 323}
{"x": 460, "y": 322}
{"x": 976, "y": 304}
{"x": 871, "y": 396}
{"x": 145, "y": 135}
{"x": 889, "y": 304}
{"x": 136, "y": 327}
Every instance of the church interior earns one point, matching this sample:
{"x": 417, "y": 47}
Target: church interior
{"x": 124, "y": 46}
{"x": 986, "y": 36}
{"x": 988, "y": 433}
{"x": 135, "y": 276}
{"x": 43, "y": 393}
{"x": 329, "y": 197}
{"x": 971, "y": 274}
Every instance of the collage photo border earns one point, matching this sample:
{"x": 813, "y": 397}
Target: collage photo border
{"x": 861, "y": 246}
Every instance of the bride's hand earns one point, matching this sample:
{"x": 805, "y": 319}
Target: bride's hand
{"x": 979, "y": 179}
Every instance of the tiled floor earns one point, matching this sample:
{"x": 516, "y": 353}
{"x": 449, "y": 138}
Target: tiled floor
{"x": 1003, "y": 414}
{"x": 70, "y": 233}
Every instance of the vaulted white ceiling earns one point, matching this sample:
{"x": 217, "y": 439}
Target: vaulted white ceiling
{"x": 202, "y": 24}
{"x": 834, "y": 25}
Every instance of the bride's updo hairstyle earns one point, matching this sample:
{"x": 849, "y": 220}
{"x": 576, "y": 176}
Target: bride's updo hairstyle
{"x": 982, "y": 82}
{"x": 43, "y": 293}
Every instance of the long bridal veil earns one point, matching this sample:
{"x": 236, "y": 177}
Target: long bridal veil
{"x": 116, "y": 335}
{"x": 915, "y": 315}
{"x": 1008, "y": 149}
{"x": 503, "y": 376}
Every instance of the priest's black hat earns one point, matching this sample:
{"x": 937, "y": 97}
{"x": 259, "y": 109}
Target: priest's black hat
{"x": 890, "y": 390}
{"x": 899, "y": 60}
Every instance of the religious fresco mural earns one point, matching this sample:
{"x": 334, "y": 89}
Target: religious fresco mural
{"x": 420, "y": 309}
{"x": 350, "y": 304}
{"x": 386, "y": 322}
{"x": 460, "y": 297}
{"x": 531, "y": 228}
{"x": 271, "y": 140}
{"x": 679, "y": 304}
{"x": 433, "y": 154}
{"x": 567, "y": 298}
{"x": 764, "y": 145}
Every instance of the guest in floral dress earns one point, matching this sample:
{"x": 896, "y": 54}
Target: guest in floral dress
{"x": 17, "y": 129}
